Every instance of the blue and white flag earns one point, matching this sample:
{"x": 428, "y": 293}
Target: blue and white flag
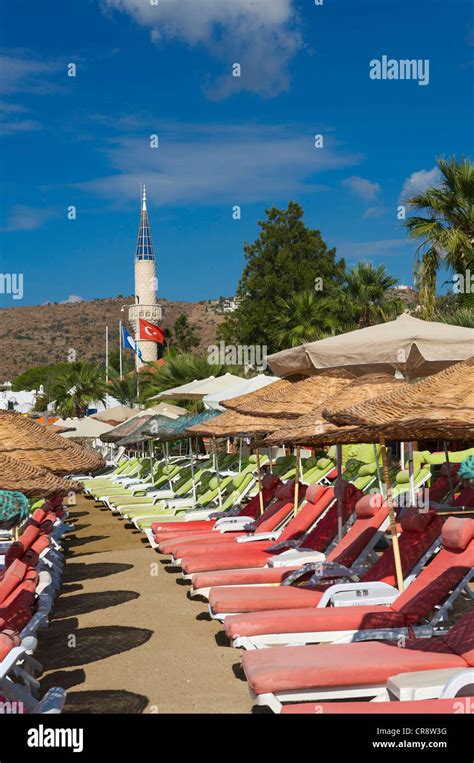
{"x": 130, "y": 344}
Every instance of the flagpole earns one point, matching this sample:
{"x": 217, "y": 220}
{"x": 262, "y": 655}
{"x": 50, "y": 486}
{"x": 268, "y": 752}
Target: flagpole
{"x": 120, "y": 349}
{"x": 106, "y": 364}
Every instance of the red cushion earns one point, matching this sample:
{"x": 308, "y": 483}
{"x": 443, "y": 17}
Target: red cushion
{"x": 12, "y": 578}
{"x": 457, "y": 532}
{"x": 254, "y": 598}
{"x": 29, "y": 535}
{"x": 15, "y": 551}
{"x": 8, "y": 640}
{"x": 368, "y": 505}
{"x": 329, "y": 665}
{"x": 461, "y": 638}
{"x": 252, "y": 576}
{"x": 414, "y": 520}
{"x": 314, "y": 492}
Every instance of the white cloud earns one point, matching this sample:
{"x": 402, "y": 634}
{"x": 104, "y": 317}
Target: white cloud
{"x": 419, "y": 181}
{"x": 21, "y": 72}
{"x": 374, "y": 212}
{"x": 73, "y": 299}
{"x": 219, "y": 164}
{"x": 362, "y": 187}
{"x": 261, "y": 35}
{"x": 23, "y": 218}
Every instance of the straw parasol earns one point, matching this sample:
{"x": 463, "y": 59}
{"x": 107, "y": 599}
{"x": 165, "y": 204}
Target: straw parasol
{"x": 24, "y": 439}
{"x": 32, "y": 480}
{"x": 232, "y": 423}
{"x": 444, "y": 400}
{"x": 362, "y": 388}
{"x": 292, "y": 399}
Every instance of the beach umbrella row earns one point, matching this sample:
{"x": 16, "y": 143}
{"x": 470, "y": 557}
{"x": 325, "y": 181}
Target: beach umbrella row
{"x": 24, "y": 439}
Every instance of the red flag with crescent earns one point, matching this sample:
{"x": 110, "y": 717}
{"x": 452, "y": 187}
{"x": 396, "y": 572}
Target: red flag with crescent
{"x": 150, "y": 332}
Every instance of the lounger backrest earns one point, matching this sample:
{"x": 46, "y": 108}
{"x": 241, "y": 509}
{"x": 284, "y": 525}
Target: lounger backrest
{"x": 32, "y": 554}
{"x": 319, "y": 538}
{"x": 37, "y": 517}
{"x": 28, "y": 536}
{"x": 442, "y": 574}
{"x": 273, "y": 518}
{"x": 28, "y": 584}
{"x": 419, "y": 531}
{"x": 18, "y": 609}
{"x": 309, "y": 513}
{"x": 12, "y": 578}
{"x": 461, "y": 638}
{"x": 371, "y": 512}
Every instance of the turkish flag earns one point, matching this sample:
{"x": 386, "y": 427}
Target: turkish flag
{"x": 151, "y": 332}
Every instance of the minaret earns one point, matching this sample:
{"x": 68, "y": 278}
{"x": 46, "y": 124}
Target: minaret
{"x": 146, "y": 286}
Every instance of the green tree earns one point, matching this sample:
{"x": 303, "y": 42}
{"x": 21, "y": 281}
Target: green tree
{"x": 125, "y": 390}
{"x": 183, "y": 336}
{"x": 445, "y": 228}
{"x": 128, "y": 361}
{"x": 72, "y": 391}
{"x": 287, "y": 257}
{"x": 36, "y": 376}
{"x": 367, "y": 301}
{"x": 302, "y": 317}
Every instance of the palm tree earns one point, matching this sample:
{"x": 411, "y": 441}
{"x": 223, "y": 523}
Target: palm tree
{"x": 75, "y": 388}
{"x": 446, "y": 227}
{"x": 367, "y": 288}
{"x": 125, "y": 390}
{"x": 304, "y": 316}
{"x": 180, "y": 368}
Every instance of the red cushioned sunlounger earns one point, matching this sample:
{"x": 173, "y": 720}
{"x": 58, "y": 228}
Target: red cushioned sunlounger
{"x": 269, "y": 521}
{"x": 270, "y": 485}
{"x": 432, "y": 586}
{"x": 369, "y": 518}
{"x": 419, "y": 532}
{"x": 356, "y": 669}
{"x": 316, "y": 540}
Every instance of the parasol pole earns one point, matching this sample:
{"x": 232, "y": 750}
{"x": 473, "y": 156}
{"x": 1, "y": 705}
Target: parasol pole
{"x": 450, "y": 476}
{"x": 240, "y": 453}
{"x": 271, "y": 459}
{"x": 216, "y": 468}
{"x": 379, "y": 473}
{"x": 393, "y": 522}
{"x": 339, "y": 490}
{"x": 297, "y": 481}
{"x": 402, "y": 455}
{"x": 411, "y": 473}
{"x": 259, "y": 477}
{"x": 192, "y": 468}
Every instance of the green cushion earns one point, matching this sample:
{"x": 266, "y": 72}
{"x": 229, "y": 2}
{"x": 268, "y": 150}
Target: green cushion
{"x": 368, "y": 469}
{"x": 324, "y": 463}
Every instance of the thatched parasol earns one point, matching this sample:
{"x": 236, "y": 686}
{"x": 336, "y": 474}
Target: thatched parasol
{"x": 31, "y": 480}
{"x": 24, "y": 439}
{"x": 231, "y": 423}
{"x": 292, "y": 399}
{"x": 447, "y": 396}
{"x": 304, "y": 428}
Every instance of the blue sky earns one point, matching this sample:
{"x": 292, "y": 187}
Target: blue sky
{"x": 223, "y": 141}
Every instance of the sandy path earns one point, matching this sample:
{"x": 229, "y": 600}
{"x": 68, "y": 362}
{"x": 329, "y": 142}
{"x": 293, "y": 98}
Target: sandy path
{"x": 125, "y": 639}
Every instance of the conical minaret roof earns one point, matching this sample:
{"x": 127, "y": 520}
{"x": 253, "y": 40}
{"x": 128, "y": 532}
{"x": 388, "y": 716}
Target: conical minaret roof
{"x": 144, "y": 243}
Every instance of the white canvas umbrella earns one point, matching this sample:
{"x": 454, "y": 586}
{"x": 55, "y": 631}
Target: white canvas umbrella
{"x": 87, "y": 427}
{"x": 414, "y": 347}
{"x": 243, "y": 387}
{"x": 198, "y": 388}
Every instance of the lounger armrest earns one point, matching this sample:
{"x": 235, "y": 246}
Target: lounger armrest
{"x": 232, "y": 523}
{"x": 388, "y": 634}
{"x": 353, "y": 594}
{"x": 258, "y": 536}
{"x": 306, "y": 557}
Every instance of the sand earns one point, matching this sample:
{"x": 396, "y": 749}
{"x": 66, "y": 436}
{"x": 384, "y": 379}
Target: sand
{"x": 124, "y": 636}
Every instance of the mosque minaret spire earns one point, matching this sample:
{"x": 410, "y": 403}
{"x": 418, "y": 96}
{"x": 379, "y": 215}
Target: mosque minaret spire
{"x": 146, "y": 285}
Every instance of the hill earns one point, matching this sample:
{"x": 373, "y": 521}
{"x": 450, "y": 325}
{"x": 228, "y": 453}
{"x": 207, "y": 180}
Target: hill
{"x": 42, "y": 334}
